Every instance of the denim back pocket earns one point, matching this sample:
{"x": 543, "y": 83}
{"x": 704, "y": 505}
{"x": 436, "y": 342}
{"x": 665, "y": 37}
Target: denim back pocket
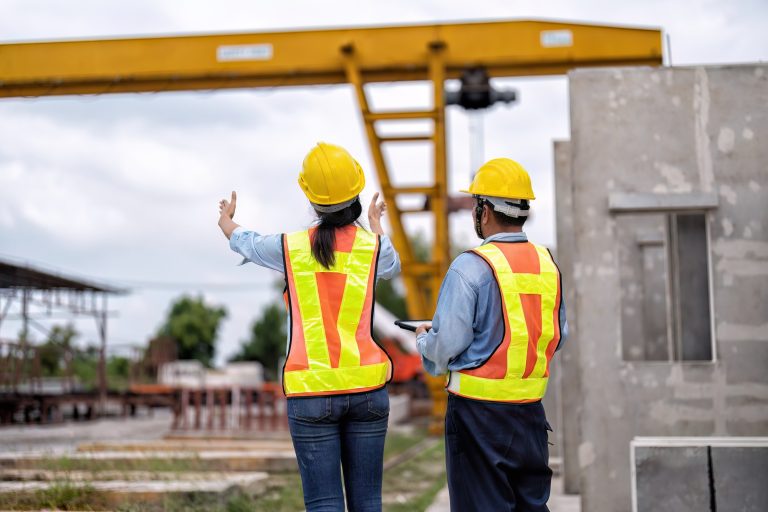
{"x": 316, "y": 408}
{"x": 378, "y": 402}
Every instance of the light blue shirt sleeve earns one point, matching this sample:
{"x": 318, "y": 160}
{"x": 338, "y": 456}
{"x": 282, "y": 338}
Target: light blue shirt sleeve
{"x": 563, "y": 324}
{"x": 263, "y": 250}
{"x": 267, "y": 251}
{"x": 452, "y": 326}
{"x": 389, "y": 260}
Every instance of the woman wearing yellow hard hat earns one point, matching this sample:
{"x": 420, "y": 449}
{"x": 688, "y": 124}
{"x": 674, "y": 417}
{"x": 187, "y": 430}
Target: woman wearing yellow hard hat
{"x": 335, "y": 373}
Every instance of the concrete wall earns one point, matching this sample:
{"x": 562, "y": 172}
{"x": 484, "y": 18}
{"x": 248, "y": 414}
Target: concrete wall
{"x": 663, "y": 131}
{"x": 566, "y": 375}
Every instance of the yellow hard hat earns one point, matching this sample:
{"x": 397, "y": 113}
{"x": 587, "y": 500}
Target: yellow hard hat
{"x": 502, "y": 177}
{"x": 330, "y": 175}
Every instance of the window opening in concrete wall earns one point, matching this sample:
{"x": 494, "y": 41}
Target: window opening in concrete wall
{"x": 689, "y": 252}
{"x": 664, "y": 275}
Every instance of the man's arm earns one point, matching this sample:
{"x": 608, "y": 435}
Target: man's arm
{"x": 451, "y": 330}
{"x": 563, "y": 325}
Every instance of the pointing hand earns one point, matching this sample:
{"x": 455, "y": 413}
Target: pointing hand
{"x": 228, "y": 207}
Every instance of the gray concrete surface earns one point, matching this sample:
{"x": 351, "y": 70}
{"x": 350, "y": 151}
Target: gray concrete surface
{"x": 660, "y": 487}
{"x": 64, "y": 437}
{"x": 566, "y": 374}
{"x": 701, "y": 473}
{"x": 145, "y": 483}
{"x": 558, "y": 501}
{"x": 740, "y": 476}
{"x": 698, "y": 130}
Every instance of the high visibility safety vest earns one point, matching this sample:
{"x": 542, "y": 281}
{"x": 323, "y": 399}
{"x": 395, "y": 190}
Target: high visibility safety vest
{"x": 331, "y": 348}
{"x": 518, "y": 370}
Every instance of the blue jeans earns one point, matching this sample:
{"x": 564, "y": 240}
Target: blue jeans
{"x": 339, "y": 433}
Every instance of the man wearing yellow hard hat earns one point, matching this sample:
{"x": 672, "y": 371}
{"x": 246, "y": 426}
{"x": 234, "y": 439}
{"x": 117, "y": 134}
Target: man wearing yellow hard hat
{"x": 500, "y": 317}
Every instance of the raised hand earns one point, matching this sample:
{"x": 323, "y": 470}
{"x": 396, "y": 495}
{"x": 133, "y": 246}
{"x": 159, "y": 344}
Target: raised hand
{"x": 226, "y": 212}
{"x": 228, "y": 207}
{"x": 375, "y": 211}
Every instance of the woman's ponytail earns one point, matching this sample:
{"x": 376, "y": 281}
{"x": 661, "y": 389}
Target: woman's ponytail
{"x": 324, "y": 239}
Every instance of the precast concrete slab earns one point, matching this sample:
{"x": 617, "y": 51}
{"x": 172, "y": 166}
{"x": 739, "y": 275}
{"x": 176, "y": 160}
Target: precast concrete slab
{"x": 218, "y": 460}
{"x": 700, "y": 473}
{"x": 146, "y": 491}
{"x": 191, "y": 445}
{"x": 671, "y": 479}
{"x": 740, "y": 475}
{"x": 213, "y": 483}
{"x": 43, "y": 475}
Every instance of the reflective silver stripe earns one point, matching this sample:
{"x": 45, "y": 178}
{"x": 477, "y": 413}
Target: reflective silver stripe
{"x": 508, "y": 207}
{"x": 331, "y": 208}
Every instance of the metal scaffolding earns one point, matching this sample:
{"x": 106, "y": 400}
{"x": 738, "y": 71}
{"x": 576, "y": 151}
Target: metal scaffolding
{"x": 39, "y": 295}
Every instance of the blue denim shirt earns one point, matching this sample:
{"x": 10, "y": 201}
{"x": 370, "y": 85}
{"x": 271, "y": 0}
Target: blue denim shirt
{"x": 459, "y": 338}
{"x": 267, "y": 251}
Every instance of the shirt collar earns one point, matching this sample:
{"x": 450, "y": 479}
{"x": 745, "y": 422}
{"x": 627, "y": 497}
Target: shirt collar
{"x": 507, "y": 237}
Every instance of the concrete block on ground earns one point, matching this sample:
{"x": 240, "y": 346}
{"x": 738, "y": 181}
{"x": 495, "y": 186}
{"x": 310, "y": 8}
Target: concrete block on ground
{"x": 740, "y": 476}
{"x": 694, "y": 474}
{"x": 672, "y": 479}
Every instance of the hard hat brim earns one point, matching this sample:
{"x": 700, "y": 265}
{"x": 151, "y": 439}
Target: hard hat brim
{"x": 467, "y": 191}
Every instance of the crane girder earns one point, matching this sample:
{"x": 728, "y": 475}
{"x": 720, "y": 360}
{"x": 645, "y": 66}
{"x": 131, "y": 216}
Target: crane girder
{"x": 313, "y": 57}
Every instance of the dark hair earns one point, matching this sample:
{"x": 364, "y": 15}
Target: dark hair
{"x": 324, "y": 239}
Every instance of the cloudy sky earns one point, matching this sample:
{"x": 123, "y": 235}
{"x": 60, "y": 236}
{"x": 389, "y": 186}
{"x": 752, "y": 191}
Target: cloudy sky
{"x": 124, "y": 188}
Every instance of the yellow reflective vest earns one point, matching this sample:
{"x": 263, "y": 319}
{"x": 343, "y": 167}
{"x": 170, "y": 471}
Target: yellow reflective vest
{"x": 331, "y": 347}
{"x": 518, "y": 370}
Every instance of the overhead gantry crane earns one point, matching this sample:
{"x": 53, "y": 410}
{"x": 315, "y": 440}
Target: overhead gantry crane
{"x": 356, "y": 56}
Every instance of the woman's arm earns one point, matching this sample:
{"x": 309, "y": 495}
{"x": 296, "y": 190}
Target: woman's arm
{"x": 226, "y": 212}
{"x": 389, "y": 260}
{"x": 263, "y": 250}
{"x": 375, "y": 211}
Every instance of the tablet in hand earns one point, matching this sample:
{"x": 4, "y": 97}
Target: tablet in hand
{"x": 411, "y": 325}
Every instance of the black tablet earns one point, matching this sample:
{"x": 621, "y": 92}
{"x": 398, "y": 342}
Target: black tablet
{"x": 411, "y": 325}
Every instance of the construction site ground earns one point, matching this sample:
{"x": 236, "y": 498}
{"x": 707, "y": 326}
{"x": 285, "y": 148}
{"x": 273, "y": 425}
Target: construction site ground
{"x": 131, "y": 465}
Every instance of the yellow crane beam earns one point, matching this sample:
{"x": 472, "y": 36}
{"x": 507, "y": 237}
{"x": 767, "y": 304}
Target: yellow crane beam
{"x": 311, "y": 57}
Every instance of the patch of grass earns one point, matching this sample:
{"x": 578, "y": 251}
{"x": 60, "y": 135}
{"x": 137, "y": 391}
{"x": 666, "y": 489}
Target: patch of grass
{"x": 398, "y": 442}
{"x": 60, "y": 495}
{"x": 286, "y": 495}
{"x": 155, "y": 465}
{"x": 235, "y": 502}
{"x": 412, "y": 486}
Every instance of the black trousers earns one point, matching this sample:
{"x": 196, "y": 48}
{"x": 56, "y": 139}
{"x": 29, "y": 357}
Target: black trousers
{"x": 496, "y": 456}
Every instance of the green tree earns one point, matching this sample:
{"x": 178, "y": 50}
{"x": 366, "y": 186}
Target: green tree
{"x": 118, "y": 372}
{"x": 52, "y": 352}
{"x": 194, "y": 325}
{"x": 267, "y": 341}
